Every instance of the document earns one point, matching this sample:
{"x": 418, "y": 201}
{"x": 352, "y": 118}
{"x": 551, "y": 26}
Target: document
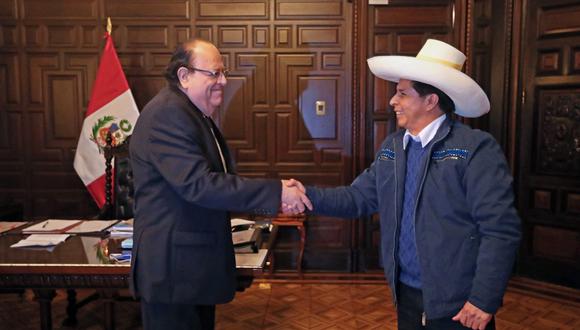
{"x": 251, "y": 260}
{"x": 51, "y": 226}
{"x": 241, "y": 222}
{"x": 6, "y": 226}
{"x": 122, "y": 229}
{"x": 41, "y": 240}
{"x": 91, "y": 226}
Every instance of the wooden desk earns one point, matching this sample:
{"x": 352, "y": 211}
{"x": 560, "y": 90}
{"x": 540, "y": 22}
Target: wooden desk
{"x": 80, "y": 262}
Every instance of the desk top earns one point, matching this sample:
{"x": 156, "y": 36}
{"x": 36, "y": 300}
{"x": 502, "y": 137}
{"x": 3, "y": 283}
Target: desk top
{"x": 76, "y": 252}
{"x": 79, "y": 254}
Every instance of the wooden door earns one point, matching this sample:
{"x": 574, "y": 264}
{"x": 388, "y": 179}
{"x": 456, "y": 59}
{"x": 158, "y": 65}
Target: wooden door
{"x": 549, "y": 180}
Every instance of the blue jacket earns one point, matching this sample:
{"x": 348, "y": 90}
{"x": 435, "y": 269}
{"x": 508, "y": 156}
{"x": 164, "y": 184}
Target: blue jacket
{"x": 466, "y": 227}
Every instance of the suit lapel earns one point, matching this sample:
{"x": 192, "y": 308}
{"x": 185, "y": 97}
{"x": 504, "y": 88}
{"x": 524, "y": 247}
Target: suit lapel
{"x": 212, "y": 152}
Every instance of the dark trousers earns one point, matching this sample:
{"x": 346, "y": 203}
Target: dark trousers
{"x": 177, "y": 316}
{"x": 410, "y": 313}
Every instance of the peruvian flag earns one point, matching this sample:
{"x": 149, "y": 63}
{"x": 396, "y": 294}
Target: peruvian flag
{"x": 111, "y": 109}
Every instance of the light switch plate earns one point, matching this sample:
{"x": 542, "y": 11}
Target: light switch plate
{"x": 320, "y": 108}
{"x": 378, "y": 2}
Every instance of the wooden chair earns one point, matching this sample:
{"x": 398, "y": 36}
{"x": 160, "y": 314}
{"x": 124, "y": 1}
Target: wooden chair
{"x": 297, "y": 221}
{"x": 119, "y": 192}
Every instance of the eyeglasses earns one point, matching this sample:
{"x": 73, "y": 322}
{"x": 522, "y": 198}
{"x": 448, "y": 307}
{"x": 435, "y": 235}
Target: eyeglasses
{"x": 211, "y": 73}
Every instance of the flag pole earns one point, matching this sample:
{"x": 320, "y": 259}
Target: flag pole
{"x": 109, "y": 25}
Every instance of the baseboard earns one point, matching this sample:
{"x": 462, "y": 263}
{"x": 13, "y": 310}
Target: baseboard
{"x": 326, "y": 278}
{"x": 546, "y": 290}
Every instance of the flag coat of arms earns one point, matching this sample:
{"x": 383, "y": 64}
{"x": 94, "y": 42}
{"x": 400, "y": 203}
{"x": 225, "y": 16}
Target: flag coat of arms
{"x": 111, "y": 109}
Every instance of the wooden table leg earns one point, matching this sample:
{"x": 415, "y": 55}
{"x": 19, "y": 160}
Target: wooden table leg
{"x": 44, "y": 298}
{"x": 71, "y": 308}
{"x": 302, "y": 232}
{"x": 271, "y": 247}
{"x": 108, "y": 298}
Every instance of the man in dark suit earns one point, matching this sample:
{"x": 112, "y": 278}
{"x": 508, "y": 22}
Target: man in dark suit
{"x": 183, "y": 257}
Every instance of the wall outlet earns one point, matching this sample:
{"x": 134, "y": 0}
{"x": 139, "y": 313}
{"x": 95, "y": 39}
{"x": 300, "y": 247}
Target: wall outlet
{"x": 378, "y": 2}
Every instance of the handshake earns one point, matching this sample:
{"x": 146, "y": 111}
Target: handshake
{"x": 294, "y": 200}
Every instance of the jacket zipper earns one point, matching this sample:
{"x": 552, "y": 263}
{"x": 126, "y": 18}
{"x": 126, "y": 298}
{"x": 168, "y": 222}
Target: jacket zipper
{"x": 424, "y": 315}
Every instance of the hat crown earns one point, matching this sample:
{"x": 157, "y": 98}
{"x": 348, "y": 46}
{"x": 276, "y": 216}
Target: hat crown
{"x": 442, "y": 53}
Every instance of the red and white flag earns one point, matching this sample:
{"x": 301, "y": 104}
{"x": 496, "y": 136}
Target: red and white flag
{"x": 111, "y": 109}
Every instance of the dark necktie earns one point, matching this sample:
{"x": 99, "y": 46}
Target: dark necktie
{"x": 211, "y": 127}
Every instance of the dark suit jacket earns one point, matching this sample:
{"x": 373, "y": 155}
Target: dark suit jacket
{"x": 182, "y": 248}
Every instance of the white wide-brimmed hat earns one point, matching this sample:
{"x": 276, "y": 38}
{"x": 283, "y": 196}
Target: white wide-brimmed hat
{"x": 437, "y": 64}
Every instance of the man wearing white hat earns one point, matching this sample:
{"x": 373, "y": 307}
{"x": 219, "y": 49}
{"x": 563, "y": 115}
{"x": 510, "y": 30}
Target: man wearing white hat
{"x": 449, "y": 229}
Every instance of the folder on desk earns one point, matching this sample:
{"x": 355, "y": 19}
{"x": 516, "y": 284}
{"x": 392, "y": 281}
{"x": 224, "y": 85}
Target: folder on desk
{"x": 51, "y": 226}
{"x": 244, "y": 236}
{"x": 91, "y": 226}
{"x": 41, "y": 240}
{"x": 122, "y": 229}
{"x": 6, "y": 226}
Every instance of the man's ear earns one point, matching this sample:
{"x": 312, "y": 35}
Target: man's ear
{"x": 432, "y": 101}
{"x": 182, "y": 75}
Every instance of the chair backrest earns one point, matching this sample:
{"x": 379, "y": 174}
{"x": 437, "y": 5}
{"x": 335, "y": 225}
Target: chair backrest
{"x": 123, "y": 198}
{"x": 124, "y": 191}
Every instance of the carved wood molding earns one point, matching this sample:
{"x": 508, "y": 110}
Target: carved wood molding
{"x": 63, "y": 281}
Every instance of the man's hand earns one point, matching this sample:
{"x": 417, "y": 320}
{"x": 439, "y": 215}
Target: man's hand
{"x": 294, "y": 198}
{"x": 472, "y": 317}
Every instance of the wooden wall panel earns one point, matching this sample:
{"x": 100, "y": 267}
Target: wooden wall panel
{"x": 64, "y": 106}
{"x": 566, "y": 250}
{"x": 284, "y": 37}
{"x": 414, "y": 15}
{"x": 324, "y": 10}
{"x": 62, "y": 9}
{"x": 11, "y": 145}
{"x": 230, "y": 9}
{"x": 139, "y": 36}
{"x": 548, "y": 146}
{"x": 8, "y": 36}
{"x": 319, "y": 36}
{"x": 558, "y": 132}
{"x": 9, "y": 79}
{"x": 8, "y": 9}
{"x": 143, "y": 9}
{"x": 38, "y": 65}
{"x": 313, "y": 124}
{"x": 558, "y": 20}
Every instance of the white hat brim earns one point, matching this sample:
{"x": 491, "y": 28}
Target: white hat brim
{"x": 470, "y": 100}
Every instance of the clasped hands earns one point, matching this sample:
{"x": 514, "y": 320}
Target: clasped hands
{"x": 294, "y": 200}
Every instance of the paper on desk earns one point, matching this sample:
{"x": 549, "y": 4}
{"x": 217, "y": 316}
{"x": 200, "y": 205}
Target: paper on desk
{"x": 241, "y": 222}
{"x": 51, "y": 226}
{"x": 251, "y": 260}
{"x": 122, "y": 229}
{"x": 41, "y": 240}
{"x": 91, "y": 226}
{"x": 9, "y": 225}
{"x": 243, "y": 236}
